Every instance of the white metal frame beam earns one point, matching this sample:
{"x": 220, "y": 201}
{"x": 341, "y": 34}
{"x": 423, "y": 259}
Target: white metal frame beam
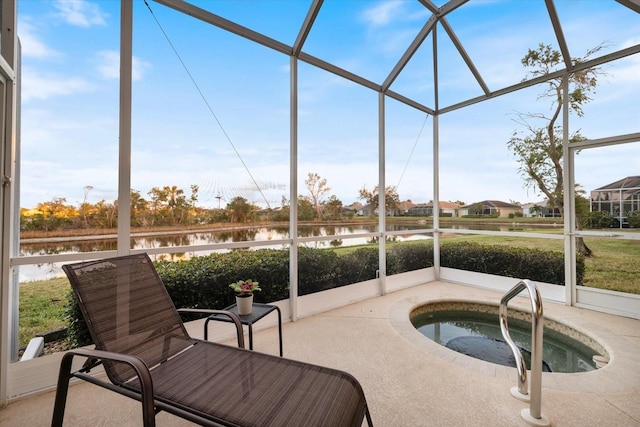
{"x": 225, "y": 24}
{"x": 411, "y": 50}
{"x": 465, "y": 56}
{"x": 557, "y": 28}
{"x": 9, "y": 205}
{"x": 632, "y": 50}
{"x": 312, "y": 14}
{"x": 124, "y": 149}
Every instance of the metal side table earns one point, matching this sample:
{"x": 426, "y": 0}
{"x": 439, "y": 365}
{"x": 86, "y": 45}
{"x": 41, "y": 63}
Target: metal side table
{"x": 257, "y": 312}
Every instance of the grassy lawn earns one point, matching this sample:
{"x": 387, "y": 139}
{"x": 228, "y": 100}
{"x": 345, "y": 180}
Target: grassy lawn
{"x": 42, "y": 306}
{"x": 614, "y": 264}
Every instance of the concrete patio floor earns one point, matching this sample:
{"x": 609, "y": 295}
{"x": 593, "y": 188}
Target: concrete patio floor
{"x": 409, "y": 380}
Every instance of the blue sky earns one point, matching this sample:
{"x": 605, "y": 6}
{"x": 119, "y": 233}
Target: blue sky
{"x": 234, "y": 97}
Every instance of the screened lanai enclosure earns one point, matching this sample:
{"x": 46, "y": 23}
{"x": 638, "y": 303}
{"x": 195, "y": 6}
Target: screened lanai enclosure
{"x": 618, "y": 199}
{"x": 119, "y": 117}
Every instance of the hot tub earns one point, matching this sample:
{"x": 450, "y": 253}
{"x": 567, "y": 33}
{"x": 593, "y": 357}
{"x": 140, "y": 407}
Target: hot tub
{"x": 474, "y": 330}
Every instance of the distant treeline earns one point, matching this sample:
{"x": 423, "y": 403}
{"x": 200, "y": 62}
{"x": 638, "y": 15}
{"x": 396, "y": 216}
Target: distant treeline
{"x": 168, "y": 206}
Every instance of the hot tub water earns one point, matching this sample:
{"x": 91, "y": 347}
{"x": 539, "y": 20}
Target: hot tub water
{"x": 477, "y": 334}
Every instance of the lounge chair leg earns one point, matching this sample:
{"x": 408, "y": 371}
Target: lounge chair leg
{"x": 61, "y": 390}
{"x": 368, "y": 415}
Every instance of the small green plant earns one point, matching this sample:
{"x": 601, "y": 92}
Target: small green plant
{"x": 244, "y": 288}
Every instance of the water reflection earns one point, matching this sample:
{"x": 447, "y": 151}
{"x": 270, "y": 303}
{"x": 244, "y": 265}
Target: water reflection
{"x": 251, "y": 234}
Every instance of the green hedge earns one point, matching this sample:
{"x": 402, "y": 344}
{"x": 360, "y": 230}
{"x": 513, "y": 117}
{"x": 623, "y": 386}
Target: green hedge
{"x": 533, "y": 264}
{"x": 633, "y": 218}
{"x": 202, "y": 282}
{"x": 409, "y": 257}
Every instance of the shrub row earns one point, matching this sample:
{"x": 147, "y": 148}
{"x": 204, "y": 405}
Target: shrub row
{"x": 603, "y": 219}
{"x": 202, "y": 282}
{"x": 533, "y": 264}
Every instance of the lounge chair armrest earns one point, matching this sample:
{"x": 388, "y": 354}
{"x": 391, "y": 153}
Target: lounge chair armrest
{"x": 136, "y": 363}
{"x": 234, "y": 318}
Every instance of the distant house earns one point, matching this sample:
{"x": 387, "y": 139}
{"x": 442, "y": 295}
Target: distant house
{"x": 540, "y": 210}
{"x": 352, "y": 209}
{"x": 370, "y": 210}
{"x": 403, "y": 208}
{"x": 490, "y": 208}
{"x": 426, "y": 209}
{"x": 618, "y": 198}
{"x": 367, "y": 210}
{"x": 449, "y": 209}
{"x": 421, "y": 209}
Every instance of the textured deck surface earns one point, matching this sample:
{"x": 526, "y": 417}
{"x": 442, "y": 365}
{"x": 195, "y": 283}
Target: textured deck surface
{"x": 408, "y": 380}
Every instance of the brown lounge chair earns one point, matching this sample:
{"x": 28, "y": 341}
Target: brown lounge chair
{"x": 148, "y": 356}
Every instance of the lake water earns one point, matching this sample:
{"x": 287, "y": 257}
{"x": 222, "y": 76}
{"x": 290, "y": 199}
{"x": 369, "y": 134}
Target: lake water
{"x": 251, "y": 234}
{"x": 238, "y": 234}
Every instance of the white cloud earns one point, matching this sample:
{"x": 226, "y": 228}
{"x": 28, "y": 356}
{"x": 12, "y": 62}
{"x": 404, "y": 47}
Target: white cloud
{"x": 383, "y": 13}
{"x": 32, "y": 46}
{"x": 109, "y": 66}
{"x": 630, "y": 42}
{"x": 39, "y": 86}
{"x": 627, "y": 70}
{"x": 389, "y": 12}
{"x": 80, "y": 13}
{"x": 397, "y": 41}
{"x": 67, "y": 183}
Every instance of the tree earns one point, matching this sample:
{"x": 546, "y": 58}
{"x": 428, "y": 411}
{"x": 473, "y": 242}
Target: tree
{"x": 536, "y": 210}
{"x": 306, "y": 212}
{"x": 240, "y": 209}
{"x": 332, "y": 209}
{"x": 582, "y": 207}
{"x": 477, "y": 209}
{"x": 56, "y": 214}
{"x": 192, "y": 204}
{"x": 539, "y": 152}
{"x": 138, "y": 208}
{"x": 391, "y": 197}
{"x": 157, "y": 205}
{"x": 170, "y": 206}
{"x": 175, "y": 200}
{"x": 317, "y": 187}
{"x": 106, "y": 214}
{"x": 84, "y": 206}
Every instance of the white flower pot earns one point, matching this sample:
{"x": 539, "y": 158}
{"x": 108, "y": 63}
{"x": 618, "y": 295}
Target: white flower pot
{"x": 245, "y": 304}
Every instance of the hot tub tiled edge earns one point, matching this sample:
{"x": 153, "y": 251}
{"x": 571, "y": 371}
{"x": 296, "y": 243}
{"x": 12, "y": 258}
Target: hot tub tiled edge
{"x": 610, "y": 379}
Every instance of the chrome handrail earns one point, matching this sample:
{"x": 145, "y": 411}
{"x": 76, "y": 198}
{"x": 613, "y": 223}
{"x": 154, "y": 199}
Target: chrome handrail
{"x": 537, "y": 324}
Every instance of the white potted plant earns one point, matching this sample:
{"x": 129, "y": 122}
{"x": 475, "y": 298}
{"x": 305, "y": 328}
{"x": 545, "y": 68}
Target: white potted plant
{"x": 244, "y": 290}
